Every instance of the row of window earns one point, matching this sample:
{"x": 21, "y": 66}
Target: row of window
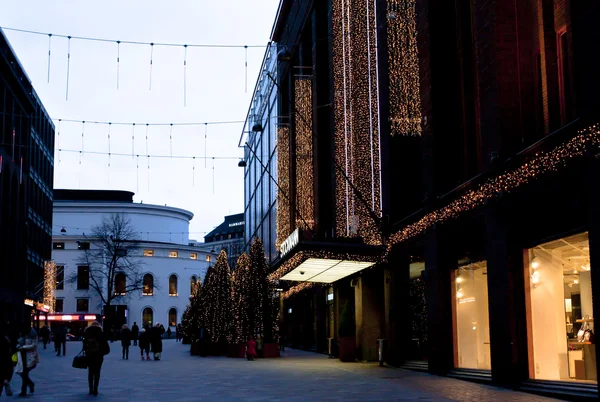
{"x": 85, "y": 245}
{"x": 83, "y": 282}
{"x": 174, "y": 254}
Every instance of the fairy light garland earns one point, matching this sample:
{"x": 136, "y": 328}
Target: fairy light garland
{"x": 403, "y": 69}
{"x": 283, "y": 173}
{"x": 543, "y": 162}
{"x": 304, "y": 155}
{"x": 356, "y": 139}
{"x": 49, "y": 285}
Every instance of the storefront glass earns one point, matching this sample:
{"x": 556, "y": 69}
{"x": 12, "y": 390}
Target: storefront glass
{"x": 471, "y": 317}
{"x": 418, "y": 313}
{"x": 560, "y": 316}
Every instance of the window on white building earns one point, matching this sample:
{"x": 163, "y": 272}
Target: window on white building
{"x": 83, "y": 245}
{"x": 58, "y": 305}
{"x": 193, "y": 284}
{"x": 120, "y": 284}
{"x": 208, "y": 258}
{"x": 148, "y": 285}
{"x": 147, "y": 317}
{"x": 58, "y": 246}
{"x": 193, "y": 256}
{"x": 60, "y": 277}
{"x": 83, "y": 277}
{"x": 173, "y": 254}
{"x": 83, "y": 305}
{"x": 173, "y": 317}
{"x": 173, "y": 285}
{"x": 148, "y": 253}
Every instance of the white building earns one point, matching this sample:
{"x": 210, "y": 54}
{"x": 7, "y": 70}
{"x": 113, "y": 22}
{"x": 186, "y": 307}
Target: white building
{"x": 169, "y": 264}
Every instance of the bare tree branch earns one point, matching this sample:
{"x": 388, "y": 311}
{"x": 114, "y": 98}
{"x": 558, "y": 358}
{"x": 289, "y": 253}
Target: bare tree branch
{"x": 114, "y": 250}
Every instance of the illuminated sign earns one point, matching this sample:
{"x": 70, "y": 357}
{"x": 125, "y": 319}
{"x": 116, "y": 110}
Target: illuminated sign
{"x": 69, "y": 317}
{"x": 28, "y": 302}
{"x": 236, "y": 224}
{"x": 289, "y": 243}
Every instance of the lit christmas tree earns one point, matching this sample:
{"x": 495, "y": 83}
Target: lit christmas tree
{"x": 264, "y": 306}
{"x": 241, "y": 300}
{"x": 216, "y": 300}
{"x": 192, "y": 318}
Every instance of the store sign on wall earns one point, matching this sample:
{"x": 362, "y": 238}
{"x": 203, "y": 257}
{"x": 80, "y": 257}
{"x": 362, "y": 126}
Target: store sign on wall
{"x": 289, "y": 243}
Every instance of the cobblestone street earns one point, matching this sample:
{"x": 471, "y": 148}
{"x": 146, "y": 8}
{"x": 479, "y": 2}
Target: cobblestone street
{"x": 298, "y": 376}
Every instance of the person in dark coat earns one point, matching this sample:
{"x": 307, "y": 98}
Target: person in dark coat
{"x": 60, "y": 339}
{"x": 144, "y": 343}
{"x": 251, "y": 349}
{"x": 135, "y": 331}
{"x": 156, "y": 340}
{"x": 96, "y": 347}
{"x": 45, "y": 334}
{"x": 6, "y": 364}
{"x": 125, "y": 341}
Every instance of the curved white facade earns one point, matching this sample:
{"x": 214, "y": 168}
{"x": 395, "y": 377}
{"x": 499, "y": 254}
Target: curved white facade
{"x": 163, "y": 235}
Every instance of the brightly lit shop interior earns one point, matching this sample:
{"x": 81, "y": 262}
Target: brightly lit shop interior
{"x": 471, "y": 317}
{"x": 561, "y": 328}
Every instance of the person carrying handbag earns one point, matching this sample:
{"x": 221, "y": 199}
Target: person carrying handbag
{"x": 28, "y": 358}
{"x": 95, "y": 347}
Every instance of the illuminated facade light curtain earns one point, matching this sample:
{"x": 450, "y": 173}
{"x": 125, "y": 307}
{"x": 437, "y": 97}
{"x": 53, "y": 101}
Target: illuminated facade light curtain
{"x": 50, "y": 271}
{"x": 405, "y": 99}
{"x": 357, "y": 141}
{"x": 283, "y": 172}
{"x": 304, "y": 153}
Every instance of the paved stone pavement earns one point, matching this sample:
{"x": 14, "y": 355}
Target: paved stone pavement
{"x": 298, "y": 376}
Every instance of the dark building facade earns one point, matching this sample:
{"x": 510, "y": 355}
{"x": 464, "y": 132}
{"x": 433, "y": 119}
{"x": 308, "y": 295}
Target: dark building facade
{"x": 454, "y": 145}
{"x": 229, "y": 235}
{"x": 26, "y": 183}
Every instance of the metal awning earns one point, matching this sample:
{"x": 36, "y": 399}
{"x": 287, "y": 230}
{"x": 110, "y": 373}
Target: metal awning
{"x": 325, "y": 270}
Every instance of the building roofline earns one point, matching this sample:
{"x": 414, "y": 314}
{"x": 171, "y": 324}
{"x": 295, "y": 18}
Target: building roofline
{"x": 58, "y": 204}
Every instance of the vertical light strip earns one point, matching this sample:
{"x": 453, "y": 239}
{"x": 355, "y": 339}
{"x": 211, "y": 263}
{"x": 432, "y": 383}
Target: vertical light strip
{"x": 283, "y": 174}
{"x": 347, "y": 211}
{"x": 304, "y": 214}
{"x": 370, "y": 106}
{"x": 378, "y": 108}
{"x": 405, "y": 99}
{"x": 351, "y": 90}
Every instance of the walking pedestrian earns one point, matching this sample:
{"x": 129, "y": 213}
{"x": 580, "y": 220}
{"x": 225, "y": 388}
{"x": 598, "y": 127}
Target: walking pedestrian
{"x": 6, "y": 363}
{"x": 169, "y": 333}
{"x": 178, "y": 333}
{"x": 28, "y": 358}
{"x": 45, "y": 333}
{"x": 156, "y": 341}
{"x": 135, "y": 331}
{"x": 96, "y": 347}
{"x": 60, "y": 339}
{"x": 144, "y": 344}
{"x": 251, "y": 349}
{"x": 125, "y": 341}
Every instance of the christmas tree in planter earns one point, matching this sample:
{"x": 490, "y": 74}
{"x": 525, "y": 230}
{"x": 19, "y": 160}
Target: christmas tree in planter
{"x": 264, "y": 305}
{"x": 242, "y": 306}
{"x": 216, "y": 301}
{"x": 193, "y": 317}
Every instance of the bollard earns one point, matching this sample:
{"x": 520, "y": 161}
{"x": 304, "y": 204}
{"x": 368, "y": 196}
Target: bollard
{"x": 330, "y": 347}
{"x": 380, "y": 343}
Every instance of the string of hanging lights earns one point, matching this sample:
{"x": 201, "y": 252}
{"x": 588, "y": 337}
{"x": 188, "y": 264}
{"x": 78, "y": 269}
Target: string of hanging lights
{"x": 151, "y": 45}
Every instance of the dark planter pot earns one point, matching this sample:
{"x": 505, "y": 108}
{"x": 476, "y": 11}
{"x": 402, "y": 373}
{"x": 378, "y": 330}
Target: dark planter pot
{"x": 271, "y": 350}
{"x": 347, "y": 348}
{"x": 237, "y": 350}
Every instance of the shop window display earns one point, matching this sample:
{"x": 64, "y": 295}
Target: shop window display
{"x": 560, "y": 316}
{"x": 418, "y": 313}
{"x": 471, "y": 317}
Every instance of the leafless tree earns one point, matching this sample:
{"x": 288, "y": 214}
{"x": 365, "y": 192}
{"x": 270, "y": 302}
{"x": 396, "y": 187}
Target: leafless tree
{"x": 112, "y": 257}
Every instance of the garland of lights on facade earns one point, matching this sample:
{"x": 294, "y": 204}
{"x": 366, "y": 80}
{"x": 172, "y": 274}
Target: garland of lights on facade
{"x": 405, "y": 98}
{"x": 283, "y": 173}
{"x": 542, "y": 163}
{"x": 305, "y": 200}
{"x": 356, "y": 116}
{"x": 49, "y": 285}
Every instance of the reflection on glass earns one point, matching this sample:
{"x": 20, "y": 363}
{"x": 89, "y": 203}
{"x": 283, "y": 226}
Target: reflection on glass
{"x": 560, "y": 303}
{"x": 472, "y": 322}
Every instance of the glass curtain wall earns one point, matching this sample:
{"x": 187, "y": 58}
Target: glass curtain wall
{"x": 560, "y": 315}
{"x": 418, "y": 313}
{"x": 471, "y": 317}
